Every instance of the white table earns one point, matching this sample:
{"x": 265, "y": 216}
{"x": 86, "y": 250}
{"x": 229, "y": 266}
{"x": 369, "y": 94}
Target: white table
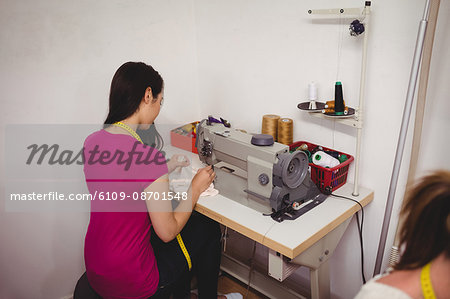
{"x": 308, "y": 241}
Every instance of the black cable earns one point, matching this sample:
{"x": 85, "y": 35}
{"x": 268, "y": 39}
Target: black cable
{"x": 362, "y": 246}
{"x": 360, "y": 228}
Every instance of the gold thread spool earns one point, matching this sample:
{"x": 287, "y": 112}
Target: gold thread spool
{"x": 285, "y": 131}
{"x": 330, "y": 104}
{"x": 270, "y": 125}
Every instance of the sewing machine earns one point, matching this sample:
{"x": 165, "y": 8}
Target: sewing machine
{"x": 258, "y": 172}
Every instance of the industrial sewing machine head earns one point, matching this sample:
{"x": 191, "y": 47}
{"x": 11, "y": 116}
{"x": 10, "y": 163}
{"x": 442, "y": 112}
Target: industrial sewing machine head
{"x": 257, "y": 172}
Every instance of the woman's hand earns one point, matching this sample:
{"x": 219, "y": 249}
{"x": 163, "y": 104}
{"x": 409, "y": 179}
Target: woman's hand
{"x": 202, "y": 179}
{"x": 177, "y": 161}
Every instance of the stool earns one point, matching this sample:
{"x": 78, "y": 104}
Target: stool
{"x": 83, "y": 289}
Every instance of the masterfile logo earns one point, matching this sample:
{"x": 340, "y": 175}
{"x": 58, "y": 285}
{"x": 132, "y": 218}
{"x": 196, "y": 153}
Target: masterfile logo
{"x": 53, "y": 155}
{"x": 44, "y": 166}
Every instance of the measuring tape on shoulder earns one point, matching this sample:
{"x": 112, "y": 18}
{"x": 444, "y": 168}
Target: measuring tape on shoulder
{"x": 179, "y": 239}
{"x": 425, "y": 282}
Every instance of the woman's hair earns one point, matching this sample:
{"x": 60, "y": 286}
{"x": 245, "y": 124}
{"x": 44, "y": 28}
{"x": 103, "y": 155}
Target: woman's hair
{"x": 128, "y": 88}
{"x": 425, "y": 232}
{"x": 152, "y": 137}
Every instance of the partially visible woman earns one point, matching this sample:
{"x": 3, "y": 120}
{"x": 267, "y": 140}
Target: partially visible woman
{"x": 424, "y": 267}
{"x": 132, "y": 246}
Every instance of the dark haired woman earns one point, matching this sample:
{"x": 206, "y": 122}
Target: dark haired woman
{"x": 424, "y": 267}
{"x": 137, "y": 246}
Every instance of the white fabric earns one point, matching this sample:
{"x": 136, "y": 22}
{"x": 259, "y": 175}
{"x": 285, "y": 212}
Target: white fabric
{"x": 375, "y": 290}
{"x": 211, "y": 191}
{"x": 233, "y": 296}
{"x": 180, "y": 180}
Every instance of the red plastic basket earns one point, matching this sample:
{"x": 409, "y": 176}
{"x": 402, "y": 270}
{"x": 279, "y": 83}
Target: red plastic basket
{"x": 327, "y": 177}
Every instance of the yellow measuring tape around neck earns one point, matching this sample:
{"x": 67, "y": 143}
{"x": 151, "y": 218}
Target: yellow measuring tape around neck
{"x": 179, "y": 239}
{"x": 425, "y": 282}
{"x": 128, "y": 129}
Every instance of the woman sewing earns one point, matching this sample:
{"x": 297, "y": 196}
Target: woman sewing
{"x": 138, "y": 246}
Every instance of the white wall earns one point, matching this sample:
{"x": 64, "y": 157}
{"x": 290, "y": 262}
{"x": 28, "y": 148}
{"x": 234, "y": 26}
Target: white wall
{"x": 256, "y": 58}
{"x": 235, "y": 59}
{"x": 57, "y": 59}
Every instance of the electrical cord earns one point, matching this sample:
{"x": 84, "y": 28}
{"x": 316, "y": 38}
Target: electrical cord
{"x": 360, "y": 228}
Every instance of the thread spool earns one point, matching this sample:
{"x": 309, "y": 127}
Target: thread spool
{"x": 312, "y": 94}
{"x": 270, "y": 125}
{"x": 285, "y": 131}
{"x": 303, "y": 147}
{"x": 331, "y": 111}
{"x": 323, "y": 159}
{"x": 312, "y": 91}
{"x": 342, "y": 158}
{"x": 338, "y": 99}
{"x": 329, "y": 104}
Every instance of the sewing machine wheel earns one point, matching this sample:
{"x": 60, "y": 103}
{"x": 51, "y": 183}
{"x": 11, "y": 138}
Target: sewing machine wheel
{"x": 294, "y": 168}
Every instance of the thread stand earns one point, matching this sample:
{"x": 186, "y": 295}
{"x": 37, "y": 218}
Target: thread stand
{"x": 356, "y": 120}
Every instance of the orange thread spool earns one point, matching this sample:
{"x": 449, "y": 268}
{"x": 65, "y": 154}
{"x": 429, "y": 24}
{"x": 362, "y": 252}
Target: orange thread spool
{"x": 285, "y": 131}
{"x": 270, "y": 125}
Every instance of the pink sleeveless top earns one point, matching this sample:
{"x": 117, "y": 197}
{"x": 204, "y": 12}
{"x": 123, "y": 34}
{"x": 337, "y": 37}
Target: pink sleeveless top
{"x": 119, "y": 258}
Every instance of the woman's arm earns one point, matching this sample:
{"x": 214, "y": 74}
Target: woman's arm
{"x": 166, "y": 222}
